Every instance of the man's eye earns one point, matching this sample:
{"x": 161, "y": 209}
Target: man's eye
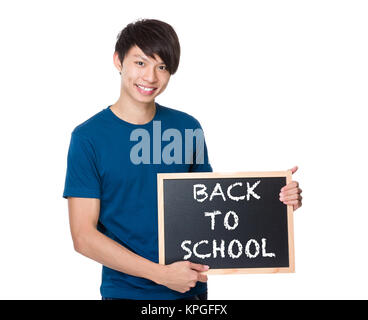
{"x": 162, "y": 67}
{"x": 140, "y": 63}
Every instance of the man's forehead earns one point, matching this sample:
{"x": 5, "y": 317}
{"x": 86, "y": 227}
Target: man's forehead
{"x": 136, "y": 52}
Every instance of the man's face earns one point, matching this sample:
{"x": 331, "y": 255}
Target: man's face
{"x": 144, "y": 78}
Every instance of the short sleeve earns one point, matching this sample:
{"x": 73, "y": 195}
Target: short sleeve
{"x": 201, "y": 162}
{"x": 82, "y": 176}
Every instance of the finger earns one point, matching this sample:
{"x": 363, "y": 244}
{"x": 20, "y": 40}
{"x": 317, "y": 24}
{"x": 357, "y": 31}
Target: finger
{"x": 292, "y": 202}
{"x": 202, "y": 278}
{"x": 290, "y": 185}
{"x": 294, "y": 169}
{"x": 290, "y": 191}
{"x": 198, "y": 267}
{"x": 296, "y": 196}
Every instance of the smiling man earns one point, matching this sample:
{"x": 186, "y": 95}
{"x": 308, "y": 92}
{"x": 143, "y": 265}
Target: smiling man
{"x": 112, "y": 200}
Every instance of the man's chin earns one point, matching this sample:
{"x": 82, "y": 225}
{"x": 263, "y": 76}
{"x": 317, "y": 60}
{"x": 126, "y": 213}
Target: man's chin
{"x": 147, "y": 99}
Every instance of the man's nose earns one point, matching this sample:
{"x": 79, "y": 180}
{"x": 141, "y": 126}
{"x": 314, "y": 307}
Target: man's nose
{"x": 150, "y": 75}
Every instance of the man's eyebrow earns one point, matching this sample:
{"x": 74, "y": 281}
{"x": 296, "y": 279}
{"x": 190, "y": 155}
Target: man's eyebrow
{"x": 139, "y": 56}
{"x": 145, "y": 59}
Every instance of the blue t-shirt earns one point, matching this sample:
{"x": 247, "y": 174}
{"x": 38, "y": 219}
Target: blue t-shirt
{"x": 100, "y": 166}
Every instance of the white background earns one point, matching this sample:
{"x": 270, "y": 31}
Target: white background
{"x": 273, "y": 83}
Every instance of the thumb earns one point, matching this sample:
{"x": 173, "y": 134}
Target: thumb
{"x": 294, "y": 169}
{"x": 198, "y": 267}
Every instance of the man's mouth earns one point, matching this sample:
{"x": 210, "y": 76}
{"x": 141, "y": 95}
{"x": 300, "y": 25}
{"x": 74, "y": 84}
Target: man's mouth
{"x": 145, "y": 90}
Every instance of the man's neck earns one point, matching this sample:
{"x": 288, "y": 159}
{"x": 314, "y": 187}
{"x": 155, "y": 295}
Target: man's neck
{"x": 133, "y": 111}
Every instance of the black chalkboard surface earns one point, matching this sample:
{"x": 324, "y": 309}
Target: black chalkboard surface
{"x": 235, "y": 223}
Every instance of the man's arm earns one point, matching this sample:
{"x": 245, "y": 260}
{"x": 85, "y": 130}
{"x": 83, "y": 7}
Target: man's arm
{"x": 83, "y": 218}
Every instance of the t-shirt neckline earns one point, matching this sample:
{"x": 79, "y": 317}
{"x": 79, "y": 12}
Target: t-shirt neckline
{"x": 126, "y": 123}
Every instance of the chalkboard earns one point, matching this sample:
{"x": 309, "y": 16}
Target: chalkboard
{"x": 233, "y": 222}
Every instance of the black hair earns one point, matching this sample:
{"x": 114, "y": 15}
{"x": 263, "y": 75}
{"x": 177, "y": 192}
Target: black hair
{"x": 152, "y": 37}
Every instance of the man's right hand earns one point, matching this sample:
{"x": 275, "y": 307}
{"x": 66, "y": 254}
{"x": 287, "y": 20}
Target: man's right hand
{"x": 182, "y": 276}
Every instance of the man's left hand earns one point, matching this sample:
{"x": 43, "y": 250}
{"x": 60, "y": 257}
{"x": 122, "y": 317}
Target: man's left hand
{"x": 291, "y": 193}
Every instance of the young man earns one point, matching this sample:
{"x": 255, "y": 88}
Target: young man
{"x": 112, "y": 190}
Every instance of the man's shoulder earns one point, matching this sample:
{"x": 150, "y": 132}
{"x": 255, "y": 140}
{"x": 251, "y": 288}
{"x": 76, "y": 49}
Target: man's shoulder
{"x": 172, "y": 114}
{"x": 91, "y": 125}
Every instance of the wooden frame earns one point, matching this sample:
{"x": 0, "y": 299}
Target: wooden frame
{"x": 214, "y": 175}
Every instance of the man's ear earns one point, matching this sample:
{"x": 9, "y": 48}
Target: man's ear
{"x": 117, "y": 62}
